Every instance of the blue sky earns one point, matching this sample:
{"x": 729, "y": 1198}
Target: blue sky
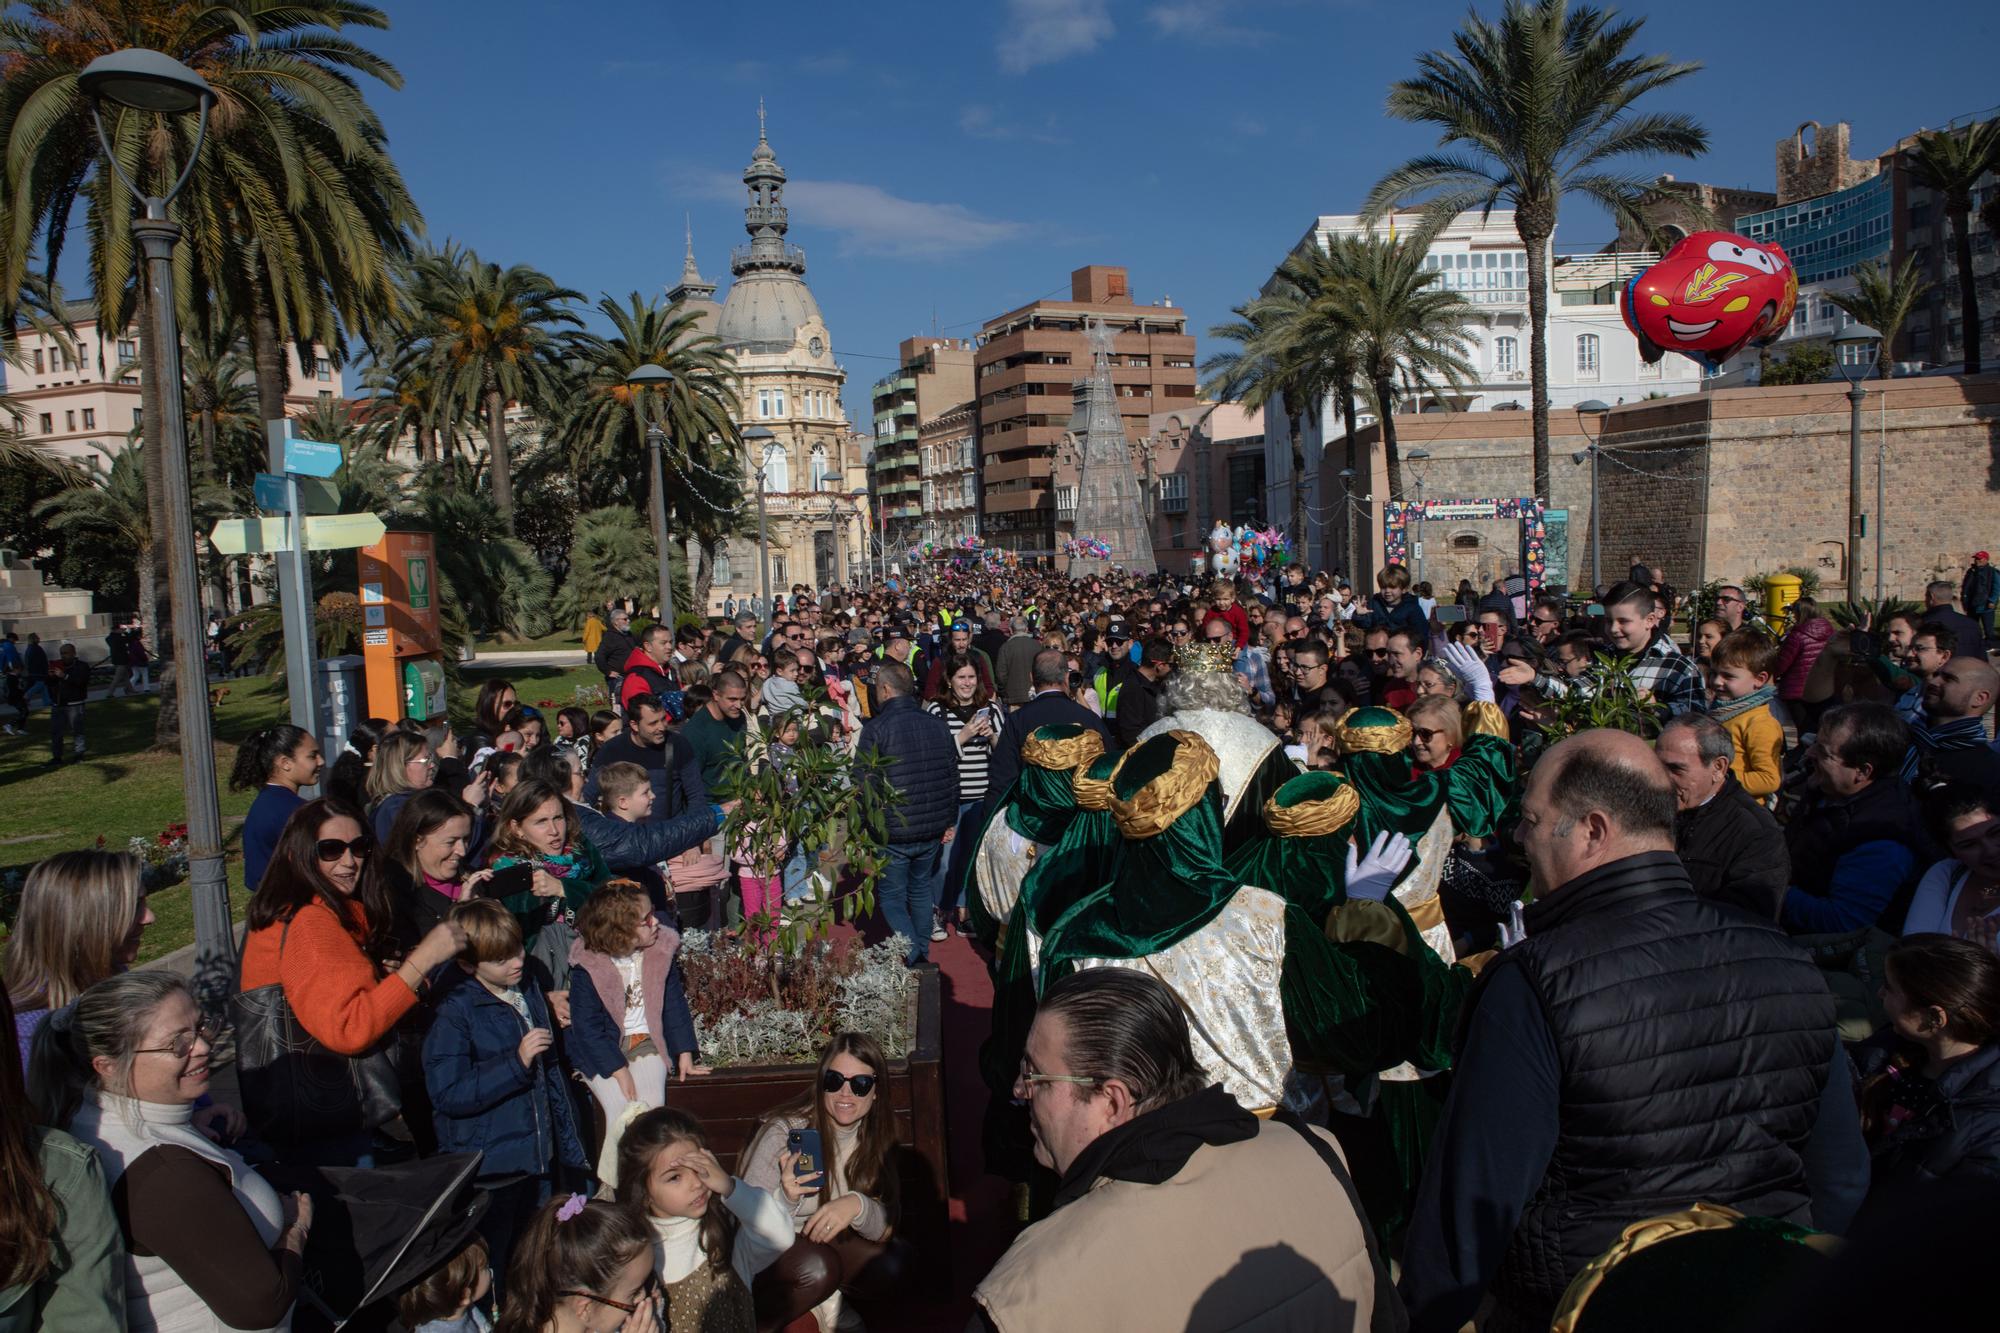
{"x": 950, "y": 161}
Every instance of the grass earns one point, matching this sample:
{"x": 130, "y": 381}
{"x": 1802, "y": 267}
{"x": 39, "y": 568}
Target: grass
{"x": 123, "y": 789}
{"x": 554, "y": 641}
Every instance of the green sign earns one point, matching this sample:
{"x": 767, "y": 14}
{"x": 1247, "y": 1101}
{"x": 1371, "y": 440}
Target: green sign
{"x": 420, "y": 582}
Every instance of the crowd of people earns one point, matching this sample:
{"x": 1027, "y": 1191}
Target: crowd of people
{"x": 1358, "y": 962}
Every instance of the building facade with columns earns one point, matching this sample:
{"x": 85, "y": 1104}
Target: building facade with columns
{"x": 788, "y": 383}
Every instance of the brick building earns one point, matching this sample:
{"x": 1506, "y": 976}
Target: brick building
{"x": 948, "y": 460}
{"x": 1206, "y": 465}
{"x": 934, "y": 376}
{"x": 1028, "y": 361}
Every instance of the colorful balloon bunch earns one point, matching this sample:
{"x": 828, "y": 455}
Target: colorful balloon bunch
{"x": 1087, "y": 548}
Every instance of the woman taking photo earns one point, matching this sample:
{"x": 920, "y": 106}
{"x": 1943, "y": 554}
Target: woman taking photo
{"x": 405, "y": 765}
{"x": 320, "y": 929}
{"x": 844, "y": 1246}
{"x": 426, "y": 864}
{"x": 277, "y": 761}
{"x": 209, "y": 1244}
{"x": 1930, "y": 1079}
{"x": 79, "y": 921}
{"x": 62, "y": 1261}
{"x": 538, "y": 838}
{"x": 975, "y": 718}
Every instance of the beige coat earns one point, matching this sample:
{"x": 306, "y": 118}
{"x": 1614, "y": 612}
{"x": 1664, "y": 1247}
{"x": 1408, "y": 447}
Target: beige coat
{"x": 1257, "y": 1236}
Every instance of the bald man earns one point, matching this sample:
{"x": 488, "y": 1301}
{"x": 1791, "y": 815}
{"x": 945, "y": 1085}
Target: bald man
{"x": 1640, "y": 1050}
{"x": 1948, "y": 740}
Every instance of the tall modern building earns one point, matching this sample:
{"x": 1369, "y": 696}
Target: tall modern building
{"x": 1028, "y": 363}
{"x": 789, "y": 383}
{"x": 934, "y": 376}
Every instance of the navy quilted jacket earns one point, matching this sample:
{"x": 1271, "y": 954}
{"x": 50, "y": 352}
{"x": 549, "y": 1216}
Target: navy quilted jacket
{"x": 924, "y": 771}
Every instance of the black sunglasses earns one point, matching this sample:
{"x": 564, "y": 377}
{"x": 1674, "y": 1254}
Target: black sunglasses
{"x": 329, "y": 849}
{"x": 832, "y": 1079}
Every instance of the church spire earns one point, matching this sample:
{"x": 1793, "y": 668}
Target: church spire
{"x": 691, "y": 286}
{"x": 765, "y": 218}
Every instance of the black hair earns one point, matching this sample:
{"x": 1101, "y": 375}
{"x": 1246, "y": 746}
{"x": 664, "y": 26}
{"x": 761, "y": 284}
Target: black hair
{"x": 1639, "y": 799}
{"x": 1872, "y": 736}
{"x": 1635, "y": 594}
{"x": 1125, "y": 1025}
{"x": 348, "y": 776}
{"x": 1952, "y": 800}
{"x": 1945, "y": 637}
{"x": 260, "y": 753}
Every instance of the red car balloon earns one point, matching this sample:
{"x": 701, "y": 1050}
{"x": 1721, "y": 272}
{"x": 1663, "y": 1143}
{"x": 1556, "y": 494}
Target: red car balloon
{"x": 1711, "y": 296}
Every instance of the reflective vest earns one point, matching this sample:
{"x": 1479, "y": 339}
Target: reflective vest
{"x": 1107, "y": 693}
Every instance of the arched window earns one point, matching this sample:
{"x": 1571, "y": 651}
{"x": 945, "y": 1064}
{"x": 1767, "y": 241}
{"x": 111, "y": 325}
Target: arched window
{"x": 777, "y": 469}
{"x": 819, "y": 473}
{"x": 1586, "y": 354}
{"x": 1506, "y": 354}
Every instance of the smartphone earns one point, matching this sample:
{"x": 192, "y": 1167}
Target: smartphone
{"x": 805, "y": 1142}
{"x": 510, "y": 880}
{"x": 1450, "y": 615}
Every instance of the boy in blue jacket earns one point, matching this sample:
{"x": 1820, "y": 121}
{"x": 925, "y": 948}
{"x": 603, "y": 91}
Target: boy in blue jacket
{"x": 495, "y": 1085}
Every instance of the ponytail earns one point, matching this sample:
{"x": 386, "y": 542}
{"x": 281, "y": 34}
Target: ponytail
{"x": 259, "y": 754}
{"x": 108, "y": 1021}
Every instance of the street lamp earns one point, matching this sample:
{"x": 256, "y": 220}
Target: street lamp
{"x": 149, "y": 82}
{"x": 860, "y": 497}
{"x": 1353, "y": 503}
{"x": 1418, "y": 456}
{"x": 659, "y": 378}
{"x": 1854, "y": 351}
{"x": 1598, "y": 408}
{"x": 762, "y": 444}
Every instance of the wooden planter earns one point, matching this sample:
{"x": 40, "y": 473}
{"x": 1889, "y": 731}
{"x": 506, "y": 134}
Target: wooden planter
{"x": 731, "y": 1103}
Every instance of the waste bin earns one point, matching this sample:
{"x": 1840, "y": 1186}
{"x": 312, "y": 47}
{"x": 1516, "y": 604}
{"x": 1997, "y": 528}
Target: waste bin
{"x": 343, "y": 700}
{"x": 1780, "y": 591}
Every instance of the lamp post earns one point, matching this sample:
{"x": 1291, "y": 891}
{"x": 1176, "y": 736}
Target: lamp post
{"x": 860, "y": 497}
{"x": 1353, "y": 503}
{"x": 1854, "y": 351}
{"x": 760, "y": 442}
{"x": 1419, "y": 456}
{"x": 658, "y": 378}
{"x": 1593, "y": 407}
{"x": 147, "y": 81}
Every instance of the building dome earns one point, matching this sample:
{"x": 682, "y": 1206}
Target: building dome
{"x": 766, "y": 308}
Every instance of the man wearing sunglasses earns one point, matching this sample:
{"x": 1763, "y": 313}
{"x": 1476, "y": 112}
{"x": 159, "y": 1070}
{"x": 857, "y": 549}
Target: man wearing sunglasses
{"x": 1145, "y": 1145}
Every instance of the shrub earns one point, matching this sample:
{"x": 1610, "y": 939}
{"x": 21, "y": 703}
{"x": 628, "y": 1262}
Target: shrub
{"x": 758, "y": 1009}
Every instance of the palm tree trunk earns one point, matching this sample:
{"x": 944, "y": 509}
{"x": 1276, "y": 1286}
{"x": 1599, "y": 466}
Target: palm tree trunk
{"x": 156, "y": 612}
{"x": 1350, "y": 546}
{"x": 704, "y": 573}
{"x": 496, "y": 447}
{"x": 268, "y": 350}
{"x": 1297, "y": 422}
{"x": 1392, "y": 460}
{"x": 1535, "y": 230}
{"x": 1968, "y": 289}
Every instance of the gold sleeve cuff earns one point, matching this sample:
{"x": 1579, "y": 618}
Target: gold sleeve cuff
{"x": 1379, "y": 740}
{"x": 1313, "y": 819}
{"x": 1155, "y": 806}
{"x": 1361, "y": 921}
{"x": 1074, "y": 752}
{"x": 1484, "y": 718}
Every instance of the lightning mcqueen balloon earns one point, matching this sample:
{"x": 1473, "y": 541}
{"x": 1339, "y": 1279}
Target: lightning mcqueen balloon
{"x": 1709, "y": 297}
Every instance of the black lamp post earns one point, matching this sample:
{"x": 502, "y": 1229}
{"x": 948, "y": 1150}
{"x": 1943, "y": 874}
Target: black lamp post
{"x": 761, "y": 443}
{"x": 1854, "y": 351}
{"x": 661, "y": 379}
{"x": 1597, "y": 409}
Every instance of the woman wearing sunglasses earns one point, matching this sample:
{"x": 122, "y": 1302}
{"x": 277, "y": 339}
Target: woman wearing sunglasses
{"x": 320, "y": 927}
{"x": 844, "y": 1248}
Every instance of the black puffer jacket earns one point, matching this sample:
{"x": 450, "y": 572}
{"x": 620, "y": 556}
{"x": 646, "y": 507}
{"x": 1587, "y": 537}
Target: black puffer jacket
{"x": 1957, "y": 1137}
{"x": 1695, "y": 1045}
{"x": 1734, "y": 851}
{"x": 923, "y": 770}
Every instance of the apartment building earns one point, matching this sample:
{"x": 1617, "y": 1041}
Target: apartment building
{"x": 934, "y": 376}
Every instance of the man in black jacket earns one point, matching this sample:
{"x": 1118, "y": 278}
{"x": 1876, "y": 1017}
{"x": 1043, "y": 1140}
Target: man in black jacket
{"x": 614, "y": 650}
{"x": 1048, "y": 708}
{"x": 668, "y": 759}
{"x": 1139, "y": 691}
{"x": 1732, "y": 848}
{"x": 1641, "y": 1050}
{"x": 923, "y": 772}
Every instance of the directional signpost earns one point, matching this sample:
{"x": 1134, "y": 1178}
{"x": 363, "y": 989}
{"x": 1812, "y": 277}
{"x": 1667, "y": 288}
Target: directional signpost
{"x": 324, "y": 532}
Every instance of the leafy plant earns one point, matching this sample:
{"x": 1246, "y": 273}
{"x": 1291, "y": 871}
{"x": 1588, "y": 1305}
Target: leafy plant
{"x": 1613, "y": 700}
{"x": 1849, "y": 615}
{"x": 757, "y": 1008}
{"x": 1808, "y": 578}
{"x": 1806, "y": 363}
{"x": 613, "y": 558}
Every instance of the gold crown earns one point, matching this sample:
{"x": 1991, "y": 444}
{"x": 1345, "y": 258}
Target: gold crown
{"x": 1205, "y": 656}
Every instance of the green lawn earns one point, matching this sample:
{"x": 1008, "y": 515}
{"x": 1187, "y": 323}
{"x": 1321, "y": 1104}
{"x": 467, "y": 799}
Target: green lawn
{"x": 123, "y": 789}
{"x": 554, "y": 641}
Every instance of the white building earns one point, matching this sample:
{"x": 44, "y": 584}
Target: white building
{"x": 1591, "y": 354}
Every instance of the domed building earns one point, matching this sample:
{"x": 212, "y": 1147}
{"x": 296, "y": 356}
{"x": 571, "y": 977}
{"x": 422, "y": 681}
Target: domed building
{"x": 790, "y": 384}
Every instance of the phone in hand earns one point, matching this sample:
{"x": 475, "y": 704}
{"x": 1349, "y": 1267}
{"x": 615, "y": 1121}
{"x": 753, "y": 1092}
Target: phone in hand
{"x": 510, "y": 880}
{"x": 812, "y": 1158}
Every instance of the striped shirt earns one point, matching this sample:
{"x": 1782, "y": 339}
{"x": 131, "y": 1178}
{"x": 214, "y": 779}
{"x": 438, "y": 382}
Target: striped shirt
{"x": 975, "y": 757}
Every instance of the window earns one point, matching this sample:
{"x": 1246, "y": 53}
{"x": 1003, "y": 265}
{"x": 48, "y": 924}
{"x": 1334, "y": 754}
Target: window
{"x": 966, "y": 497}
{"x": 1066, "y": 500}
{"x": 763, "y": 402}
{"x": 128, "y": 349}
{"x": 777, "y": 402}
{"x": 1586, "y": 354}
{"x": 720, "y": 572}
{"x": 1506, "y": 354}
{"x": 90, "y": 418}
{"x": 777, "y": 571}
{"x": 930, "y": 495}
{"x": 326, "y": 395}
{"x": 138, "y": 418}
{"x": 1173, "y": 493}
{"x": 777, "y": 469}
{"x": 39, "y": 368}
{"x": 820, "y": 475}
{"x": 49, "y": 423}
{"x": 322, "y": 369}
{"x": 69, "y": 419}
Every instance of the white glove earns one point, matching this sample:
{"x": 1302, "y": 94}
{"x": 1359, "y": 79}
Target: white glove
{"x": 1470, "y": 668}
{"x": 1513, "y": 930}
{"x": 1370, "y": 877}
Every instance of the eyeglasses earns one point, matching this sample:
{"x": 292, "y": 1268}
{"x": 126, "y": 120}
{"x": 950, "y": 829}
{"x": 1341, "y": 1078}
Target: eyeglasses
{"x": 329, "y": 849}
{"x": 1029, "y": 1080}
{"x": 1544, "y": 620}
{"x": 1425, "y": 734}
{"x": 1177, "y": 633}
{"x": 183, "y": 1044}
{"x": 832, "y": 1081}
{"x": 646, "y": 1296}
{"x": 426, "y": 760}
{"x": 1378, "y": 652}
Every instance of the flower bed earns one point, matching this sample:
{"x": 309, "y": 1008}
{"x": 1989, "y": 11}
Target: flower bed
{"x": 758, "y": 1009}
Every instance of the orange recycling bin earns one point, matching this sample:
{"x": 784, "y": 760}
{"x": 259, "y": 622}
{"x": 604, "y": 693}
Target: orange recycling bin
{"x": 401, "y": 646}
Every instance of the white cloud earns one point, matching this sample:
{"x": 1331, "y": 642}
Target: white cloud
{"x": 977, "y": 121}
{"x": 1203, "y": 20}
{"x": 1041, "y": 32}
{"x": 870, "y": 220}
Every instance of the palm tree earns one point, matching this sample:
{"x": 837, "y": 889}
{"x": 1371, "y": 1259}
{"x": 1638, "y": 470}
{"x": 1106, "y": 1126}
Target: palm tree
{"x": 218, "y": 382}
{"x": 294, "y": 210}
{"x": 1951, "y": 162}
{"x": 1883, "y": 301}
{"x": 1538, "y": 105}
{"x": 604, "y": 432}
{"x": 1266, "y": 370}
{"x": 1408, "y": 332}
{"x": 492, "y": 338}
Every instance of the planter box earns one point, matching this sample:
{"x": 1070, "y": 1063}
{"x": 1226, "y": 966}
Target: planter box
{"x": 732, "y": 1102}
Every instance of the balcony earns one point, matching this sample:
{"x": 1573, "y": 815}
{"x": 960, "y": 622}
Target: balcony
{"x": 784, "y": 255}
{"x": 906, "y": 435}
{"x": 1013, "y": 502}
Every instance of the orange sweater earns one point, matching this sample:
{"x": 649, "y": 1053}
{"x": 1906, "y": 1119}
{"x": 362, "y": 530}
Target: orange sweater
{"x": 1760, "y": 750}
{"x": 329, "y": 982}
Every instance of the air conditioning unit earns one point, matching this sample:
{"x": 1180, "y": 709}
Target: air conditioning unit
{"x": 1517, "y": 374}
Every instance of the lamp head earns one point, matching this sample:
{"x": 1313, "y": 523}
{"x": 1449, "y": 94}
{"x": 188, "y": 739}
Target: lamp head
{"x": 758, "y": 435}
{"x": 144, "y": 81}
{"x": 650, "y": 376}
{"x": 1579, "y": 456}
{"x": 1592, "y": 407}
{"x": 1417, "y": 455}
{"x": 1854, "y": 350}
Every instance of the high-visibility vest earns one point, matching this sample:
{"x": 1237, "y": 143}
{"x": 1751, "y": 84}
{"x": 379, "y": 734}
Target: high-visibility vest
{"x": 1107, "y": 693}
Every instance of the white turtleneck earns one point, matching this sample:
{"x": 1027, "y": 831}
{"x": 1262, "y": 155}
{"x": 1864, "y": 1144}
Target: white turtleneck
{"x": 763, "y": 1232}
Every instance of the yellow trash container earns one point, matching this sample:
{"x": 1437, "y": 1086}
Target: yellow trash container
{"x": 1780, "y": 591}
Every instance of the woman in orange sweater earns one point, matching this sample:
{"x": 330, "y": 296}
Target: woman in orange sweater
{"x": 318, "y": 928}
